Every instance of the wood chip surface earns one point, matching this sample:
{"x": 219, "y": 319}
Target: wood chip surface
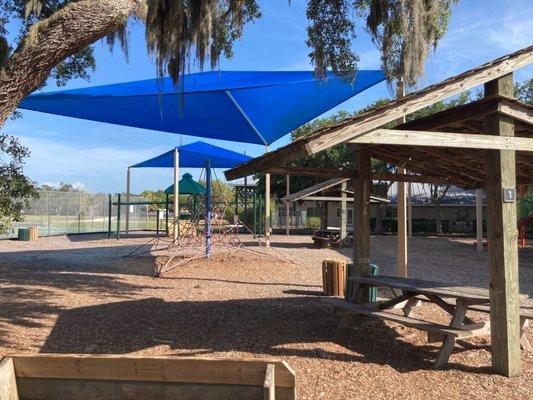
{"x": 78, "y": 294}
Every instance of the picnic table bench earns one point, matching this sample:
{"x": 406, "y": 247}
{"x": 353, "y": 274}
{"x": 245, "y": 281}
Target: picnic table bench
{"x": 327, "y": 237}
{"x": 408, "y": 293}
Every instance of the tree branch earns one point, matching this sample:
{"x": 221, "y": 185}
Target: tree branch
{"x": 50, "y": 41}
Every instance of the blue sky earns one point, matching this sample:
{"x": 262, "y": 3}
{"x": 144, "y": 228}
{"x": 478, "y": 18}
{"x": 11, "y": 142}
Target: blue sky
{"x": 96, "y": 154}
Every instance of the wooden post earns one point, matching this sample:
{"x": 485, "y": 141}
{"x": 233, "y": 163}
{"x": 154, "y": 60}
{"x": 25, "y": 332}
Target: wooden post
{"x": 502, "y": 239}
{"x": 176, "y": 193}
{"x": 344, "y": 216}
{"x": 410, "y": 208}
{"x": 401, "y": 263}
{"x": 479, "y": 221}
{"x": 267, "y": 210}
{"x": 361, "y": 214}
{"x": 288, "y": 208}
{"x": 325, "y": 221}
{"x": 128, "y": 190}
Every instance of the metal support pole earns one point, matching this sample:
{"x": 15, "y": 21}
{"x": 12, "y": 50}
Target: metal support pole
{"x": 109, "y": 212}
{"x": 128, "y": 190}
{"x": 176, "y": 193}
{"x": 267, "y": 210}
{"x": 208, "y": 238}
{"x": 254, "y": 222}
{"x": 118, "y": 216}
{"x": 245, "y": 199}
{"x": 166, "y": 213}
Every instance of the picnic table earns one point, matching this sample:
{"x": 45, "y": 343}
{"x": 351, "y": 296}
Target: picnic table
{"x": 328, "y": 237}
{"x": 408, "y": 293}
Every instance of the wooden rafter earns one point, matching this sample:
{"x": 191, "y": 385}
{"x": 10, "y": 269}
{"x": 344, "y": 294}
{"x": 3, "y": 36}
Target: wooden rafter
{"x": 443, "y": 139}
{"x": 376, "y": 118}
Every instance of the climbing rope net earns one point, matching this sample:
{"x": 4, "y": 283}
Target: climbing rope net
{"x": 206, "y": 233}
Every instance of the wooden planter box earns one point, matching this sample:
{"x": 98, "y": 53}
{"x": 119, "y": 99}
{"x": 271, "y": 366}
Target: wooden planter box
{"x": 88, "y": 377}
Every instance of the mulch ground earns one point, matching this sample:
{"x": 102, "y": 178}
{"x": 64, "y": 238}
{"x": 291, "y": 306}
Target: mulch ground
{"x": 78, "y": 294}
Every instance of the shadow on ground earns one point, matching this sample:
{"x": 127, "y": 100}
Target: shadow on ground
{"x": 277, "y": 327}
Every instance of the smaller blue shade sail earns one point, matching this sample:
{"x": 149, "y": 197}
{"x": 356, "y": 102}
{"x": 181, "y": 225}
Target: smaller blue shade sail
{"x": 194, "y": 155}
{"x": 243, "y": 106}
{"x": 187, "y": 186}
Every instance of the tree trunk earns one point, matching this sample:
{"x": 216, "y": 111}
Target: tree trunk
{"x": 50, "y": 41}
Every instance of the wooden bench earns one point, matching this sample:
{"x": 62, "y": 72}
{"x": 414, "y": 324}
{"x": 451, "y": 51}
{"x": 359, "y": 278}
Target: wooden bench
{"x": 353, "y": 309}
{"x": 526, "y": 314}
{"x": 106, "y": 377}
{"x": 327, "y": 237}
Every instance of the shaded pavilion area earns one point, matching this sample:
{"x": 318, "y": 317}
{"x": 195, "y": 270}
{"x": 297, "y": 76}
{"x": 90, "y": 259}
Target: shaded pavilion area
{"x": 485, "y": 144}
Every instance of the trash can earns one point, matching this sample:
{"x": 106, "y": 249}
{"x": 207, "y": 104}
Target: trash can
{"x": 350, "y": 294}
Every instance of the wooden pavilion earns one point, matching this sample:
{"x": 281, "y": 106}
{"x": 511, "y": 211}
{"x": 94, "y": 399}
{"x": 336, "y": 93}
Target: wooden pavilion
{"x": 485, "y": 144}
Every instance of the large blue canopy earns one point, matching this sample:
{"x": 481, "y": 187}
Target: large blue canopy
{"x": 250, "y": 107}
{"x": 194, "y": 155}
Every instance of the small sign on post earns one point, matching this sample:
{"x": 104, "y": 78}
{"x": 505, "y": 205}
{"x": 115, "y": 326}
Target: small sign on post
{"x": 509, "y": 195}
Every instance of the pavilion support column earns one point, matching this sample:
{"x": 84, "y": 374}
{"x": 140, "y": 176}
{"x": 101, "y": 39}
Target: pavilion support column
{"x": 502, "y": 239}
{"x": 410, "y": 208}
{"x": 401, "y": 263}
{"x": 267, "y": 210}
{"x": 176, "y": 194}
{"x": 344, "y": 216}
{"x": 288, "y": 208}
{"x": 361, "y": 215}
{"x": 479, "y": 221}
{"x": 128, "y": 191}
{"x": 402, "y": 228}
{"x": 325, "y": 206}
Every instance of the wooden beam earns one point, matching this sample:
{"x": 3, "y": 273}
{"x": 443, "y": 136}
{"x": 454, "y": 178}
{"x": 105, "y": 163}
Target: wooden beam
{"x": 376, "y": 118}
{"x": 287, "y": 206}
{"x": 382, "y": 176}
{"x": 502, "y": 242}
{"x": 239, "y": 371}
{"x": 373, "y": 199}
{"x": 516, "y": 111}
{"x": 479, "y": 221}
{"x": 401, "y": 202}
{"x": 314, "y": 172}
{"x": 344, "y": 214}
{"x": 460, "y": 114}
{"x": 361, "y": 220}
{"x": 269, "y": 386}
{"x": 8, "y": 383}
{"x": 444, "y": 139}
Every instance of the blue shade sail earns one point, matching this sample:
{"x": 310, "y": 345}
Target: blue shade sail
{"x": 194, "y": 155}
{"x": 249, "y": 107}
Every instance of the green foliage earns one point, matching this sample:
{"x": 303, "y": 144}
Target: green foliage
{"x": 65, "y": 187}
{"x": 405, "y": 32}
{"x": 523, "y": 91}
{"x": 179, "y": 31}
{"x": 330, "y": 36}
{"x": 312, "y": 222}
{"x": 15, "y": 188}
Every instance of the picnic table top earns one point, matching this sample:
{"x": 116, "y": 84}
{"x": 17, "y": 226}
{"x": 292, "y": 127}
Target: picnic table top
{"x": 479, "y": 295}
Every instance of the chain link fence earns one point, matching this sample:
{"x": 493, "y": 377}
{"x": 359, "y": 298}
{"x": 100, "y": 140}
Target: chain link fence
{"x": 60, "y": 213}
